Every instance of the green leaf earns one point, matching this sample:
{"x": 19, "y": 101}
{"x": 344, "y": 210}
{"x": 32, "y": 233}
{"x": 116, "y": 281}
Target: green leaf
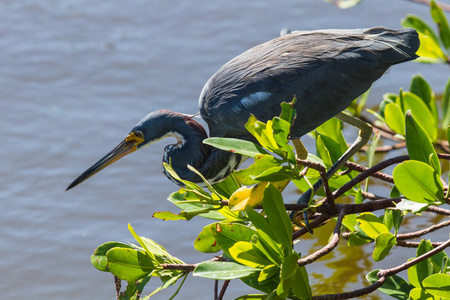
{"x": 393, "y": 286}
{"x": 141, "y": 242}
{"x": 227, "y": 235}
{"x": 130, "y": 264}
{"x": 418, "y": 272}
{"x": 262, "y": 132}
{"x": 261, "y": 164}
{"x": 227, "y": 187}
{"x": 288, "y": 113}
{"x": 441, "y": 21}
{"x": 205, "y": 241}
{"x": 268, "y": 272}
{"x": 420, "y": 87}
{"x": 394, "y": 118}
{"x": 236, "y": 146}
{"x": 278, "y": 218}
{"x": 166, "y": 283}
{"x": 300, "y": 286}
{"x": 221, "y": 270}
{"x": 99, "y": 259}
{"x": 419, "y": 145}
{"x": 420, "y": 294}
{"x": 333, "y": 138}
{"x": 281, "y": 129}
{"x": 417, "y": 23}
{"x": 179, "y": 199}
{"x": 323, "y": 152}
{"x": 418, "y": 182}
{"x": 383, "y": 244}
{"x": 275, "y": 174}
{"x": 387, "y": 98}
{"x": 438, "y": 285}
{"x": 287, "y": 274}
{"x": 260, "y": 222}
{"x": 422, "y": 114}
{"x": 371, "y": 225}
{"x": 446, "y": 105}
{"x": 248, "y": 254}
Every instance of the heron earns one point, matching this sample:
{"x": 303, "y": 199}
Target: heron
{"x": 324, "y": 69}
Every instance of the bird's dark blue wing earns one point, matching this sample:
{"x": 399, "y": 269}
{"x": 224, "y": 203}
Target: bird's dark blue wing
{"x": 326, "y": 70}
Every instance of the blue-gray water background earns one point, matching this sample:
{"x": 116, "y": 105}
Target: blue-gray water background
{"x": 76, "y": 75}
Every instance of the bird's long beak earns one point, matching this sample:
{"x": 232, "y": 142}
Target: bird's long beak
{"x": 127, "y": 146}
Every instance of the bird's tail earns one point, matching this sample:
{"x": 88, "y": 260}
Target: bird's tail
{"x": 396, "y": 46}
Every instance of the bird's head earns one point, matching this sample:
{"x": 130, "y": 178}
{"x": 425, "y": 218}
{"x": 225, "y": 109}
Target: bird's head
{"x": 152, "y": 128}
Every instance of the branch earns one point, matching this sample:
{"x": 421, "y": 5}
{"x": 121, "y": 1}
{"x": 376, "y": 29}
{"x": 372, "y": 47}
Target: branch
{"x": 382, "y": 275}
{"x": 320, "y": 219}
{"x": 438, "y": 210}
{"x": 356, "y": 293}
{"x": 360, "y": 177}
{"x": 224, "y": 288}
{"x": 329, "y": 247}
{"x": 402, "y": 267}
{"x": 415, "y": 244}
{"x": 379, "y": 175}
{"x": 411, "y": 235}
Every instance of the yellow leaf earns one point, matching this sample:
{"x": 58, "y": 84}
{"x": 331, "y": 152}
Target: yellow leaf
{"x": 247, "y": 196}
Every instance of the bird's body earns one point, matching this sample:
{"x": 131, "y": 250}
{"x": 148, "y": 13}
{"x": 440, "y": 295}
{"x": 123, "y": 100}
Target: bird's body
{"x": 326, "y": 70}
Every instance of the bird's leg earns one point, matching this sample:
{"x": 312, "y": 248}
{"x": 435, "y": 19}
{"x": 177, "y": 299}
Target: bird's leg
{"x": 365, "y": 131}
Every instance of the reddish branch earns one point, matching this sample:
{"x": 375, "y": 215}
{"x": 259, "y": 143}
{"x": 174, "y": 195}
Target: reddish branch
{"x": 419, "y": 233}
{"x": 379, "y": 175}
{"x": 329, "y": 247}
{"x": 382, "y": 275}
{"x": 415, "y": 244}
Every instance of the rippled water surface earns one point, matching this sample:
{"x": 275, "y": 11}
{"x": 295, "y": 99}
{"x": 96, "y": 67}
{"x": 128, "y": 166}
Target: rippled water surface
{"x": 75, "y": 76}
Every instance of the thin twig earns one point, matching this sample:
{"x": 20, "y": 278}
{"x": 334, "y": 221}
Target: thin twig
{"x": 330, "y": 198}
{"x": 216, "y": 288}
{"x": 412, "y": 262}
{"x": 379, "y": 175}
{"x": 382, "y": 275}
{"x": 329, "y": 247}
{"x": 419, "y": 233}
{"x": 322, "y": 218}
{"x": 415, "y": 244}
{"x": 438, "y": 210}
{"x": 360, "y": 177}
{"x": 224, "y": 288}
{"x": 353, "y": 294}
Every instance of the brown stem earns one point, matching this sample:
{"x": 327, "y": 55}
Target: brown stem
{"x": 438, "y": 210}
{"x": 382, "y": 275}
{"x": 322, "y": 218}
{"x": 415, "y": 244}
{"x": 379, "y": 175}
{"x": 353, "y": 294}
{"x": 360, "y": 177}
{"x": 224, "y": 288}
{"x": 415, "y": 234}
{"x": 329, "y": 247}
{"x": 402, "y": 267}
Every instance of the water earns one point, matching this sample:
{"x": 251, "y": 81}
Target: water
{"x": 75, "y": 76}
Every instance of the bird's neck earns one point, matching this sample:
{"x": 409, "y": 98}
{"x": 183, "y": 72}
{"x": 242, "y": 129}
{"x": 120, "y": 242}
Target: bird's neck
{"x": 214, "y": 164}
